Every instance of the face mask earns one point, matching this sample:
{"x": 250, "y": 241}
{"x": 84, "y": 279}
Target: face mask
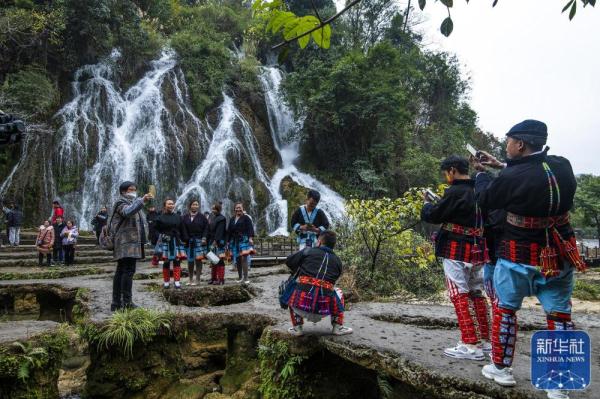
{"x": 131, "y": 195}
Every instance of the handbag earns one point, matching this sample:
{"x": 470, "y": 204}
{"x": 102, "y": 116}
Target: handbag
{"x": 107, "y": 237}
{"x": 214, "y": 259}
{"x": 286, "y": 288}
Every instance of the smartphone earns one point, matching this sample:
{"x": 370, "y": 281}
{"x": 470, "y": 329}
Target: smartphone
{"x": 152, "y": 190}
{"x": 431, "y": 196}
{"x": 473, "y": 151}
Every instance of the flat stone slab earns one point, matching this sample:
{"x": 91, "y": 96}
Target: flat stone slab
{"x": 403, "y": 340}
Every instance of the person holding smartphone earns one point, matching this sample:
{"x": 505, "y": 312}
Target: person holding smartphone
{"x": 537, "y": 253}
{"x": 127, "y": 226}
{"x": 461, "y": 244}
{"x": 309, "y": 221}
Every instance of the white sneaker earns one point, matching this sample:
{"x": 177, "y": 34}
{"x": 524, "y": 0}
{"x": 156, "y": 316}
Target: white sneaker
{"x": 166, "y": 285}
{"x": 177, "y": 284}
{"x": 465, "y": 351}
{"x": 502, "y": 377}
{"x": 297, "y": 331}
{"x": 247, "y": 282}
{"x": 240, "y": 281}
{"x": 341, "y": 330}
{"x": 486, "y": 346}
{"x": 557, "y": 394}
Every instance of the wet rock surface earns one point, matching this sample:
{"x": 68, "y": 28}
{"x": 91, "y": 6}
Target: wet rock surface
{"x": 402, "y": 342}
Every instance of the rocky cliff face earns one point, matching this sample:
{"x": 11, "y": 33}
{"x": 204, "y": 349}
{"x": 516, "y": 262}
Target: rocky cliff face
{"x": 148, "y": 134}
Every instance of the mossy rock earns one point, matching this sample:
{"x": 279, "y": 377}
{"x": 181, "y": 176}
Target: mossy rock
{"x": 293, "y": 193}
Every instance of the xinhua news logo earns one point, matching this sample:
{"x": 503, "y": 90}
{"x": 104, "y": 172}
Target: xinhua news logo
{"x": 560, "y": 360}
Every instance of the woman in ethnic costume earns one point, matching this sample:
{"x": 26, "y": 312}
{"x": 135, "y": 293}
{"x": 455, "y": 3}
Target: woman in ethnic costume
{"x": 241, "y": 241}
{"x": 171, "y": 239}
{"x": 217, "y": 239}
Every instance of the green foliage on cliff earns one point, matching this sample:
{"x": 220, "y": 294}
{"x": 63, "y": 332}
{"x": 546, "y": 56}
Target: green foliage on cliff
{"x": 381, "y": 110}
{"x": 29, "y": 92}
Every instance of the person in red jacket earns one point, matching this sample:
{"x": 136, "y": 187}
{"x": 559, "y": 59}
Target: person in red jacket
{"x": 57, "y": 211}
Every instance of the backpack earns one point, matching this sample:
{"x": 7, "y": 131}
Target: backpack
{"x": 107, "y": 236}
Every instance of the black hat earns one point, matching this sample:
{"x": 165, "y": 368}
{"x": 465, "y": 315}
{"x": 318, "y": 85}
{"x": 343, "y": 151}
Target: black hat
{"x": 530, "y": 131}
{"x": 125, "y": 186}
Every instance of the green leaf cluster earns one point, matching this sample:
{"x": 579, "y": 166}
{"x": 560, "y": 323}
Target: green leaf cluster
{"x": 587, "y": 203}
{"x": 279, "y": 370}
{"x": 277, "y": 18}
{"x": 128, "y": 327}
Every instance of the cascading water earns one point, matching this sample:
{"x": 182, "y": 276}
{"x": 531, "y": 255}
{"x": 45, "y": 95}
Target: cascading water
{"x": 284, "y": 130}
{"x": 150, "y": 135}
{"x": 132, "y": 136}
{"x": 231, "y": 168}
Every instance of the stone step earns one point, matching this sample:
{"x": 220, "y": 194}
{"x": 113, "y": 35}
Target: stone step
{"x": 31, "y": 248}
{"x": 79, "y": 260}
{"x": 80, "y": 240}
{"x": 33, "y": 254}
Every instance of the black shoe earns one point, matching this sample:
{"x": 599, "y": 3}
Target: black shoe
{"x": 115, "y": 307}
{"x": 130, "y": 305}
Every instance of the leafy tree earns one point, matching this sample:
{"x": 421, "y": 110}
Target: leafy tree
{"x": 29, "y": 93}
{"x": 279, "y": 18}
{"x": 587, "y": 201}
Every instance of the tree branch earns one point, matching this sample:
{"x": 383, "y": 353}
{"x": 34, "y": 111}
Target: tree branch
{"x": 321, "y": 25}
{"x": 312, "y": 2}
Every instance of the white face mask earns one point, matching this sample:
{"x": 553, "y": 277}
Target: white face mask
{"x": 131, "y": 195}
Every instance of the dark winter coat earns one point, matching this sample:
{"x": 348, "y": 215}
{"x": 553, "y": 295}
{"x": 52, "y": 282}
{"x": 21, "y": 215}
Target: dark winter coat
{"x": 196, "y": 228}
{"x": 217, "y": 228}
{"x": 310, "y": 260}
{"x": 152, "y": 233}
{"x": 171, "y": 224}
{"x": 130, "y": 237}
{"x": 243, "y": 227}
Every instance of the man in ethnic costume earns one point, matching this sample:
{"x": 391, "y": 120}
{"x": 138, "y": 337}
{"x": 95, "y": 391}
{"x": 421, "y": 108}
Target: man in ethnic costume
{"x": 313, "y": 296}
{"x": 461, "y": 244}
{"x": 308, "y": 221}
{"x": 537, "y": 253}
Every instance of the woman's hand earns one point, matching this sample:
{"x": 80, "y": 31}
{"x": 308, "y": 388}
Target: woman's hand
{"x": 251, "y": 241}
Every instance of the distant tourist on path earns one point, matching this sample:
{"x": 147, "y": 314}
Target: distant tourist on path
{"x": 241, "y": 241}
{"x": 537, "y": 251}
{"x": 44, "y": 243}
{"x": 57, "y": 211}
{"x": 14, "y": 221}
{"x": 461, "y": 244}
{"x": 308, "y": 221}
{"x": 196, "y": 231}
{"x": 69, "y": 236}
{"x": 58, "y": 255}
{"x": 217, "y": 236}
{"x": 170, "y": 246}
{"x": 127, "y": 228}
{"x": 314, "y": 296}
{"x": 99, "y": 221}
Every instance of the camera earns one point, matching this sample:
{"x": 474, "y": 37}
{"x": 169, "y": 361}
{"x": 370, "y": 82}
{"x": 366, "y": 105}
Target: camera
{"x": 11, "y": 129}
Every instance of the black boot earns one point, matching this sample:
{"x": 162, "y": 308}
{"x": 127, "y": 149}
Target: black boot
{"x": 130, "y": 305}
{"x": 115, "y": 306}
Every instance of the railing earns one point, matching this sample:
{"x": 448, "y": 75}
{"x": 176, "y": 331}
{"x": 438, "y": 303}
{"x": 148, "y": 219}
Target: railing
{"x": 589, "y": 254}
{"x": 275, "y": 246}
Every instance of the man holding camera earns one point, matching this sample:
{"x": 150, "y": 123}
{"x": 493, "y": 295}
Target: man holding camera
{"x": 309, "y": 221}
{"x": 461, "y": 244}
{"x": 536, "y": 250}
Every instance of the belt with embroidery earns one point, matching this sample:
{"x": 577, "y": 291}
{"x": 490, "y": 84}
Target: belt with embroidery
{"x": 315, "y": 281}
{"x": 467, "y": 231}
{"x": 530, "y": 222}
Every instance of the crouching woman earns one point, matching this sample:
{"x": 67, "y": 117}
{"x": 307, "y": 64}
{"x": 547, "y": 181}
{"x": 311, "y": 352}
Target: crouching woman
{"x": 312, "y": 294}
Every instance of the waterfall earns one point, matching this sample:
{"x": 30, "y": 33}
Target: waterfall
{"x": 285, "y": 132}
{"x": 149, "y": 134}
{"x": 222, "y": 175}
{"x": 129, "y": 136}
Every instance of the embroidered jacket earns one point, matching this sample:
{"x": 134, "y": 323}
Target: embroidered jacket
{"x": 457, "y": 213}
{"x": 302, "y": 216}
{"x": 525, "y": 190}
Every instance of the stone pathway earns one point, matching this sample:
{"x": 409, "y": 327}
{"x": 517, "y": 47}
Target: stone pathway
{"x": 407, "y": 339}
